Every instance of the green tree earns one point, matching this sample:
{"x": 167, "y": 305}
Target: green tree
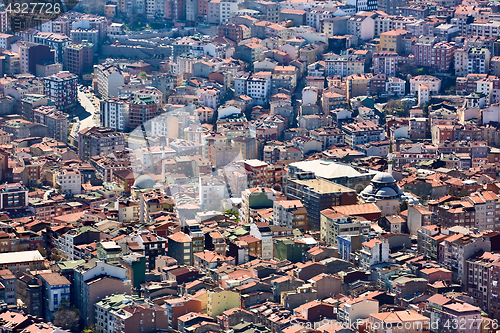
{"x": 421, "y": 71}
{"x": 55, "y": 255}
{"x": 42, "y": 251}
{"x": 233, "y": 213}
{"x": 90, "y": 329}
{"x": 403, "y": 206}
{"x": 143, "y": 75}
{"x": 67, "y": 318}
{"x": 95, "y": 7}
{"x": 425, "y": 109}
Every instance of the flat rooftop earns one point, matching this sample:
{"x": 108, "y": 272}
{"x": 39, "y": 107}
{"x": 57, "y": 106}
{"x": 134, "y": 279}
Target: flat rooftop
{"x": 322, "y": 186}
{"x": 17, "y": 257}
{"x": 328, "y": 169}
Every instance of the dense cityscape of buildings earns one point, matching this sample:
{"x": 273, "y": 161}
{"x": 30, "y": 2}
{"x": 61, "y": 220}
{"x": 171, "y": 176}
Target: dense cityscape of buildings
{"x": 251, "y": 166}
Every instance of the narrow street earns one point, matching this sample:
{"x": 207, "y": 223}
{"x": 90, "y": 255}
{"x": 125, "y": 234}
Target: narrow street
{"x": 90, "y": 117}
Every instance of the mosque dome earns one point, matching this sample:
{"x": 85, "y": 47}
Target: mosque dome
{"x": 144, "y": 182}
{"x": 383, "y": 187}
{"x": 386, "y": 192}
{"x": 383, "y": 177}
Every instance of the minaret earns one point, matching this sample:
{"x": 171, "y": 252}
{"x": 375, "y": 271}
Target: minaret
{"x": 163, "y": 166}
{"x": 389, "y": 159}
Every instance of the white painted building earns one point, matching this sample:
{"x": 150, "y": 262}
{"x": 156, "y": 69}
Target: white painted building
{"x": 114, "y": 113}
{"x": 395, "y": 86}
{"x": 309, "y": 95}
{"x": 56, "y": 291}
{"x": 361, "y": 26}
{"x": 374, "y": 252}
{"x": 69, "y": 180}
{"x": 212, "y": 188}
{"x": 225, "y": 111}
{"x": 263, "y": 232}
{"x": 5, "y": 41}
{"x": 109, "y": 78}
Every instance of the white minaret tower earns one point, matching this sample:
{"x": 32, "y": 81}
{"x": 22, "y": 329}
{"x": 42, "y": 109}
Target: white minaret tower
{"x": 390, "y": 156}
{"x": 163, "y": 166}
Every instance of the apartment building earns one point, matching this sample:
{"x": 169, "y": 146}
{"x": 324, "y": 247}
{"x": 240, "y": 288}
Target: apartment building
{"x": 219, "y": 11}
{"x": 108, "y": 306}
{"x": 30, "y": 293}
{"x": 69, "y": 180}
{"x": 432, "y": 82}
{"x": 93, "y": 141}
{"x": 180, "y": 247}
{"x": 362, "y": 132}
{"x": 343, "y": 65}
{"x": 115, "y": 112}
{"x": 109, "y": 77}
{"x": 9, "y": 281}
{"x": 56, "y": 291}
{"x": 456, "y": 249}
{"x": 257, "y": 86}
{"x": 55, "y": 41}
{"x": 362, "y": 25}
{"x": 443, "y": 56}
{"x": 140, "y": 110}
{"x": 55, "y": 120}
{"x": 319, "y": 194}
{"x": 13, "y": 196}
{"x": 290, "y": 213}
{"x": 152, "y": 246}
{"x": 62, "y": 88}
{"x": 79, "y": 58}
{"x": 480, "y": 279}
{"x": 94, "y": 281}
{"x": 487, "y": 209}
{"x": 422, "y": 49}
{"x": 392, "y": 40}
{"x": 31, "y": 54}
{"x": 478, "y": 61}
{"x": 385, "y": 62}
{"x": 334, "y": 225}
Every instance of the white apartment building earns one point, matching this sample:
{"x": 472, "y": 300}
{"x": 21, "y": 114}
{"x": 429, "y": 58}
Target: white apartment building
{"x": 343, "y": 65}
{"x": 264, "y": 233}
{"x": 56, "y": 291}
{"x": 257, "y": 86}
{"x": 433, "y": 82}
{"x": 290, "y": 214}
{"x": 4, "y": 21}
{"x": 361, "y": 26}
{"x": 316, "y": 16}
{"x": 109, "y": 79}
{"x": 212, "y": 190}
{"x": 395, "y": 86}
{"x": 374, "y": 252}
{"x": 69, "y": 180}
{"x": 334, "y": 224}
{"x": 220, "y": 11}
{"x": 362, "y": 132}
{"x": 483, "y": 29}
{"x": 472, "y": 61}
{"x": 114, "y": 113}
{"x": 478, "y": 61}
{"x": 155, "y": 8}
{"x": 5, "y": 41}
